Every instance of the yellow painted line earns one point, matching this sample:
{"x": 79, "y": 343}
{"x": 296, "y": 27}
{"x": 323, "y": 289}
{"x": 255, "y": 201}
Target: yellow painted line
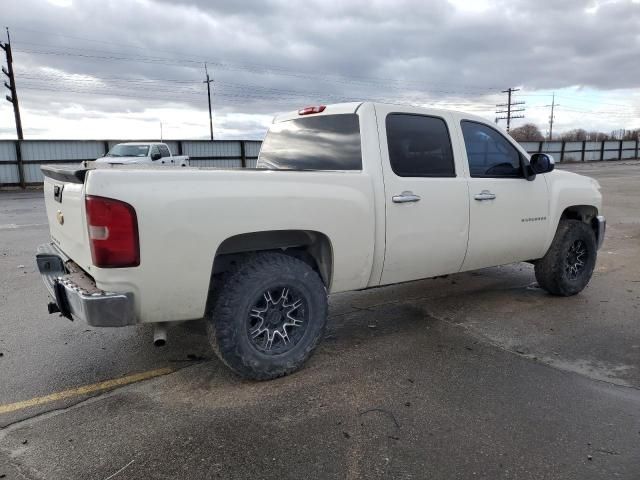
{"x": 84, "y": 390}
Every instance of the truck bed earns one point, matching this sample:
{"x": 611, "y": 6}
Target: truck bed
{"x": 184, "y": 215}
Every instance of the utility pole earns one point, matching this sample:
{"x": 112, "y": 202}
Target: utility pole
{"x": 208, "y": 81}
{"x": 13, "y": 97}
{"x": 551, "y": 117}
{"x": 510, "y": 110}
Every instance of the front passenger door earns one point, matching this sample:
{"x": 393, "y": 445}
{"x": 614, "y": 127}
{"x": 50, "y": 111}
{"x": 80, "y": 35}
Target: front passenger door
{"x": 508, "y": 215}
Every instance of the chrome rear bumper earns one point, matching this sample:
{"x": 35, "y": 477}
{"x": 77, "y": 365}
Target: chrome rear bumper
{"x": 76, "y": 295}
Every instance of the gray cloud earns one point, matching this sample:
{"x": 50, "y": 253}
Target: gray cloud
{"x": 269, "y": 56}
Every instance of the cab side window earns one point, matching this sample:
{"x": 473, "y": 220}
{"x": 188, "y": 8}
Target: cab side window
{"x": 154, "y": 150}
{"x": 489, "y": 153}
{"x": 419, "y": 146}
{"x": 164, "y": 151}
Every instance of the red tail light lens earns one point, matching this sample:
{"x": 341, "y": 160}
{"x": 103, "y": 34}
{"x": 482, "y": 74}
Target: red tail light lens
{"x": 113, "y": 233}
{"x": 311, "y": 110}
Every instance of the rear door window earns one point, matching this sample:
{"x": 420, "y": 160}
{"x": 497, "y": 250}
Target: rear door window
{"x": 419, "y": 146}
{"x": 327, "y": 142}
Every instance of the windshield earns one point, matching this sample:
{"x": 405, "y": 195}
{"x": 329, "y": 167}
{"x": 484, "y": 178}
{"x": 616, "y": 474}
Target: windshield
{"x": 328, "y": 142}
{"x": 129, "y": 151}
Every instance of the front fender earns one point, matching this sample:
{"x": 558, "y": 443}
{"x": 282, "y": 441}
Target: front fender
{"x": 570, "y": 192}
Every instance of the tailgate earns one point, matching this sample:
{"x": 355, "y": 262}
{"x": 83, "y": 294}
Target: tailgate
{"x": 64, "y": 200}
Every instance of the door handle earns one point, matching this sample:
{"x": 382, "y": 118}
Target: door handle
{"x": 484, "y": 195}
{"x": 405, "y": 197}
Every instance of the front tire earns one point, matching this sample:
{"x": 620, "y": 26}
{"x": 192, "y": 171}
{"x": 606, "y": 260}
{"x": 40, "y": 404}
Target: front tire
{"x": 268, "y": 316}
{"x": 568, "y": 264}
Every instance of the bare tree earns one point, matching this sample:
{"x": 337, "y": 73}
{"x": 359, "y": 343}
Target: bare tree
{"x": 575, "y": 135}
{"x": 526, "y": 133}
{"x": 578, "y": 135}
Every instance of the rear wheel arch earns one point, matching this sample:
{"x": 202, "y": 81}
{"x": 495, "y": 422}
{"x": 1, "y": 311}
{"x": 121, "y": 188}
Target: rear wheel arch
{"x": 312, "y": 247}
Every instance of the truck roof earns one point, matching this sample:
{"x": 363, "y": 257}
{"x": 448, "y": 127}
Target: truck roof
{"x": 352, "y": 107}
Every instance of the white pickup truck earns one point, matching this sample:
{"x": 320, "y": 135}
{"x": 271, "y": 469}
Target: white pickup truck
{"x": 143, "y": 153}
{"x": 344, "y": 197}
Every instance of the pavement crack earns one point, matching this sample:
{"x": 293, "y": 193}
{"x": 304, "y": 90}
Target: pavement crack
{"x": 49, "y": 413}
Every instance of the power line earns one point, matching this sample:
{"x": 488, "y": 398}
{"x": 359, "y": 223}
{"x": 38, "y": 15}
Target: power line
{"x": 186, "y": 62}
{"x": 199, "y": 61}
{"x": 611, "y": 113}
{"x": 190, "y": 87}
{"x": 185, "y": 84}
{"x": 587, "y": 100}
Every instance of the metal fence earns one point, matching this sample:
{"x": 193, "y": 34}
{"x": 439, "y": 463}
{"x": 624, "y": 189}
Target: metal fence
{"x": 20, "y": 160}
{"x": 585, "y": 151}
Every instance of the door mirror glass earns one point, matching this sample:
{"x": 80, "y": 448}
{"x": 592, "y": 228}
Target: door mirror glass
{"x": 155, "y": 156}
{"x": 541, "y": 163}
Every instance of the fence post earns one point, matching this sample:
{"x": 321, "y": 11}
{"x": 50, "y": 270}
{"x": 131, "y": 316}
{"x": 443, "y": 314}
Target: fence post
{"x": 243, "y": 154}
{"x": 540, "y": 146}
{"x": 562, "y": 151}
{"x": 637, "y": 142}
{"x": 179, "y": 147}
{"x": 21, "y": 179}
{"x": 105, "y": 145}
{"x": 584, "y": 147}
{"x": 620, "y": 150}
{"x": 602, "y": 150}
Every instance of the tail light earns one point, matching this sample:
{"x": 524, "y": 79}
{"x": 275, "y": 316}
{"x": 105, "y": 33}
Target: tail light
{"x": 113, "y": 233}
{"x": 311, "y": 110}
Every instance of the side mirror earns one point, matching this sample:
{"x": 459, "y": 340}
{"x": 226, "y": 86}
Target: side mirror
{"x": 155, "y": 156}
{"x": 541, "y": 163}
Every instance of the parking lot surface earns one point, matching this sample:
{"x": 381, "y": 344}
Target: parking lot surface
{"x": 475, "y": 375}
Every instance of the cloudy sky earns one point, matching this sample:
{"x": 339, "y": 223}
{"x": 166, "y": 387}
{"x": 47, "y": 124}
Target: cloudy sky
{"x": 117, "y": 68}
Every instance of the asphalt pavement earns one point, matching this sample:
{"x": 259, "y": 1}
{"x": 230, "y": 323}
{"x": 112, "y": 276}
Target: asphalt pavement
{"x": 476, "y": 375}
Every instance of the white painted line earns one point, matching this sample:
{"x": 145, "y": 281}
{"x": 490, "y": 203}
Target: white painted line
{"x": 13, "y": 226}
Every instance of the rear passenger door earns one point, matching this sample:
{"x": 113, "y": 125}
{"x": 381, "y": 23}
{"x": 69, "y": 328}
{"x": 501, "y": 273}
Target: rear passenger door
{"x": 426, "y": 199}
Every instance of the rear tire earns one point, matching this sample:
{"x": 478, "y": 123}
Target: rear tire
{"x": 268, "y": 316}
{"x": 568, "y": 264}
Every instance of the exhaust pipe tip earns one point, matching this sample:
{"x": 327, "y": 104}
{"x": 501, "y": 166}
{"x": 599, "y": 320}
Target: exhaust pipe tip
{"x": 159, "y": 335}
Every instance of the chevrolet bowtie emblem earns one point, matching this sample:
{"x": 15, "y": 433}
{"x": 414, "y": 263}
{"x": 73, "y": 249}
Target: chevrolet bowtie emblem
{"x": 60, "y": 217}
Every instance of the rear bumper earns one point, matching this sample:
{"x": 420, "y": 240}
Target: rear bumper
{"x": 76, "y": 294}
{"x": 602, "y": 227}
